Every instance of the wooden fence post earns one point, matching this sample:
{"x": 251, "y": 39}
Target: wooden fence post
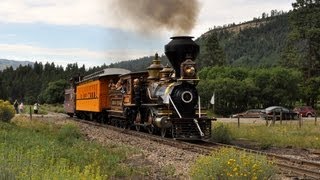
{"x": 273, "y": 118}
{"x": 238, "y": 122}
{"x": 30, "y": 112}
{"x": 300, "y": 121}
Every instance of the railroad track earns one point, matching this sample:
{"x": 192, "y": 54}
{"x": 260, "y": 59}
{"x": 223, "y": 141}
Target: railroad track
{"x": 178, "y": 144}
{"x": 290, "y": 167}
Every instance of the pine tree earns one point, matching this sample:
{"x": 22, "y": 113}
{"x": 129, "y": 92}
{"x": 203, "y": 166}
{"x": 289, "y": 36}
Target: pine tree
{"x": 211, "y": 53}
{"x": 305, "y": 36}
{"x": 305, "y": 22}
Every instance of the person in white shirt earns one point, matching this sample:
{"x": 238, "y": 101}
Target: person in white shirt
{"x": 36, "y": 108}
{"x": 21, "y": 108}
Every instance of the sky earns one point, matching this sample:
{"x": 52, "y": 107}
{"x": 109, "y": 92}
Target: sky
{"x": 92, "y": 33}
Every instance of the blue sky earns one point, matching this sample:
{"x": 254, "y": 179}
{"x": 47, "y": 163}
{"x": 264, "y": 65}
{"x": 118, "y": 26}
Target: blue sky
{"x": 90, "y": 32}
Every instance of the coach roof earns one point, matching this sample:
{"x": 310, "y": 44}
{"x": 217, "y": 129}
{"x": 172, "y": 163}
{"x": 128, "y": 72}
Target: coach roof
{"x": 106, "y": 72}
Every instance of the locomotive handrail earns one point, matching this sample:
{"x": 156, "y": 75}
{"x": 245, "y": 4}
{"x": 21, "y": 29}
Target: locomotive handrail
{"x": 199, "y": 104}
{"x": 149, "y": 94}
{"x": 175, "y": 106}
{"x": 199, "y": 129}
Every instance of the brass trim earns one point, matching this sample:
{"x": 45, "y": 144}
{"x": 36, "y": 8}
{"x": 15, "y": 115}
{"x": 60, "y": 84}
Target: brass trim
{"x": 169, "y": 113}
{"x": 168, "y": 88}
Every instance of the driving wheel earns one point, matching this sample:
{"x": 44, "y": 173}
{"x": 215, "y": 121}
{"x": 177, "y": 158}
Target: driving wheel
{"x": 138, "y": 121}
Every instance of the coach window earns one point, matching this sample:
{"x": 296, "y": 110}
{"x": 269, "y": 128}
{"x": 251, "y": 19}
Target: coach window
{"x": 128, "y": 86}
{"x": 124, "y": 85}
{"x": 111, "y": 85}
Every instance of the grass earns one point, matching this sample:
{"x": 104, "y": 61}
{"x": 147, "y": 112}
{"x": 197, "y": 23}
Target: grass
{"x": 58, "y": 108}
{"x": 44, "y": 108}
{"x": 289, "y": 134}
{"x": 42, "y": 150}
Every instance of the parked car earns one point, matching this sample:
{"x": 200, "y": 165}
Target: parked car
{"x": 305, "y": 111}
{"x": 287, "y": 114}
{"x": 251, "y": 113}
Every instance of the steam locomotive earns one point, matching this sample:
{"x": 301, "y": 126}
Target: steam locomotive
{"x": 161, "y": 100}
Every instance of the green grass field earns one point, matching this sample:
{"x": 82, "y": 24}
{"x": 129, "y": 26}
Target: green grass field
{"x": 42, "y": 150}
{"x": 35, "y": 149}
{"x": 44, "y": 108}
{"x": 289, "y": 134}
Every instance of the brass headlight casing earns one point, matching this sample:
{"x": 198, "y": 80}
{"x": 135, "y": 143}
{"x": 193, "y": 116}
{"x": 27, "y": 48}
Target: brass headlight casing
{"x": 188, "y": 70}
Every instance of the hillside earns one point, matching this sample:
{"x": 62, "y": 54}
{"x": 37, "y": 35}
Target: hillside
{"x": 4, "y": 63}
{"x": 255, "y": 43}
{"x": 140, "y": 64}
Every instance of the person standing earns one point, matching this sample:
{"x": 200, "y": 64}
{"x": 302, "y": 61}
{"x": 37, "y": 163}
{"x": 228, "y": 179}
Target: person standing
{"x": 36, "y": 107}
{"x": 21, "y": 108}
{"x": 15, "y": 105}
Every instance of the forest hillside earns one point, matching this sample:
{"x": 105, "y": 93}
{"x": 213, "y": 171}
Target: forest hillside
{"x": 256, "y": 43}
{"x": 4, "y": 63}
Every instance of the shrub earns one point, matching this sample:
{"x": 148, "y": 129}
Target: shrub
{"x": 6, "y": 111}
{"x": 221, "y": 133}
{"x": 228, "y": 163}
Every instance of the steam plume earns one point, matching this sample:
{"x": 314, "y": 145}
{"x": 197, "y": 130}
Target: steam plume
{"x": 178, "y": 16}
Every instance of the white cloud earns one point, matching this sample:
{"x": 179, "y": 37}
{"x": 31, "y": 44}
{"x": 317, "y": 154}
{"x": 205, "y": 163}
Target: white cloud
{"x": 66, "y": 12}
{"x": 67, "y": 56}
{"x": 102, "y": 12}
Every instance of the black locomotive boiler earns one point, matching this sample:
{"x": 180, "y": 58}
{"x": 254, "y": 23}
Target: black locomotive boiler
{"x": 162, "y": 100}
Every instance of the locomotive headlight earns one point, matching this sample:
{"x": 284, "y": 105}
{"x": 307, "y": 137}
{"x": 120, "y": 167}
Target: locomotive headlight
{"x": 189, "y": 71}
{"x": 187, "y": 97}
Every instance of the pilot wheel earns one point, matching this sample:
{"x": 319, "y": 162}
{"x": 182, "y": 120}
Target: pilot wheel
{"x": 163, "y": 132}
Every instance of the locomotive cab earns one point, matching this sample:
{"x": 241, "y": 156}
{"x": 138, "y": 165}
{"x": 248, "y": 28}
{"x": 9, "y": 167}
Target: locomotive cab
{"x": 123, "y": 99}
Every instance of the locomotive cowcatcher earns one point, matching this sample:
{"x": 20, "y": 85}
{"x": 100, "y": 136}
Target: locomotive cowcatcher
{"x": 161, "y": 100}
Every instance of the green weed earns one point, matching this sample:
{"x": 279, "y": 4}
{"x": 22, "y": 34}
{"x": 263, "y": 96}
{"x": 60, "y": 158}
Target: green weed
{"x": 221, "y": 133}
{"x": 69, "y": 134}
{"x": 228, "y": 163}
